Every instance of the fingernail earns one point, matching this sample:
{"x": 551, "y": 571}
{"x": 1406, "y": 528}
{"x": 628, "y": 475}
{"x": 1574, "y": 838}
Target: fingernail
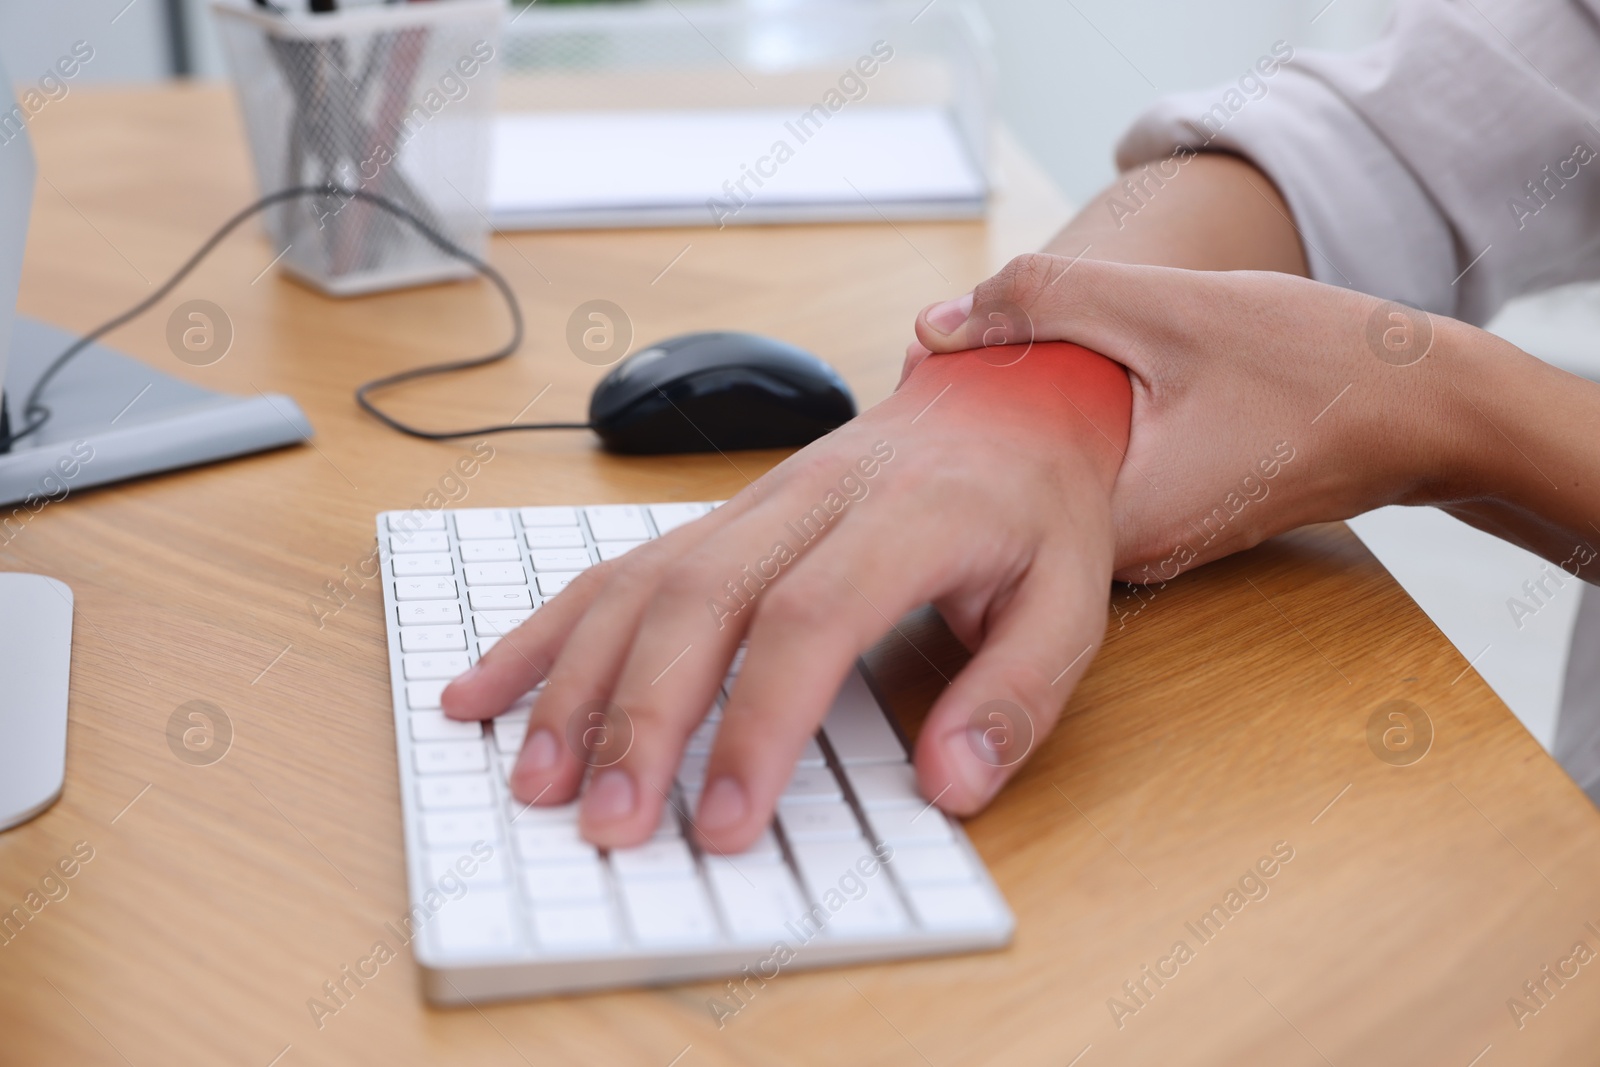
{"x": 610, "y": 797}
{"x": 541, "y": 751}
{"x": 979, "y": 779}
{"x": 724, "y": 805}
{"x": 947, "y": 316}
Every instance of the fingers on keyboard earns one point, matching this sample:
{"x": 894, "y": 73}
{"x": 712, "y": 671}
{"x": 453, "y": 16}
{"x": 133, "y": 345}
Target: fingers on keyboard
{"x": 515, "y": 658}
{"x": 808, "y": 632}
{"x": 677, "y": 653}
{"x": 573, "y": 725}
{"x": 1007, "y": 699}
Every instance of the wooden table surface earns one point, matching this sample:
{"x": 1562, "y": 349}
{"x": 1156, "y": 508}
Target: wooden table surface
{"x": 1226, "y": 717}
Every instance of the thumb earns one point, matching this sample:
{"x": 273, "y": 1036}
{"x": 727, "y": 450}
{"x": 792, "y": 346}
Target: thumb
{"x": 1023, "y": 303}
{"x": 1000, "y": 311}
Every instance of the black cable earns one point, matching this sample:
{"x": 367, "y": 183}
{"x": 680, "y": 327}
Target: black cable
{"x": 36, "y": 414}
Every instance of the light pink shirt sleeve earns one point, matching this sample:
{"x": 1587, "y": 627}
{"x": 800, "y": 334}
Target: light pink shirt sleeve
{"x": 1452, "y": 165}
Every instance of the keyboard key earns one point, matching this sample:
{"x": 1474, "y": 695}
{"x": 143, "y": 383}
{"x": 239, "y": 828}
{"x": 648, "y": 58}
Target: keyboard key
{"x": 554, "y": 537}
{"x": 408, "y": 521}
{"x": 617, "y": 522}
{"x": 537, "y": 517}
{"x": 434, "y": 664}
{"x": 610, "y": 550}
{"x": 424, "y": 696}
{"x": 653, "y": 859}
{"x": 932, "y": 864}
{"x": 563, "y": 559}
{"x": 498, "y": 623}
{"x": 852, "y": 902}
{"x": 668, "y": 911}
{"x": 585, "y": 927}
{"x": 481, "y": 923}
{"x": 420, "y": 565}
{"x": 549, "y": 842}
{"x": 449, "y": 757}
{"x": 908, "y": 825}
{"x": 494, "y": 574}
{"x": 455, "y": 791}
{"x": 433, "y": 639}
{"x": 811, "y": 784}
{"x": 419, "y": 542}
{"x": 763, "y": 849}
{"x": 552, "y": 582}
{"x": 756, "y": 899}
{"x": 581, "y": 881}
{"x": 490, "y": 552}
{"x": 453, "y": 863}
{"x": 483, "y": 524}
{"x": 428, "y": 613}
{"x": 857, "y": 729}
{"x": 669, "y": 517}
{"x": 823, "y": 863}
{"x": 440, "y": 829}
{"x": 522, "y": 814}
{"x": 508, "y": 734}
{"x": 882, "y": 784}
{"x": 499, "y": 598}
{"x": 425, "y": 589}
{"x": 818, "y": 821}
{"x": 433, "y": 726}
{"x": 954, "y": 907}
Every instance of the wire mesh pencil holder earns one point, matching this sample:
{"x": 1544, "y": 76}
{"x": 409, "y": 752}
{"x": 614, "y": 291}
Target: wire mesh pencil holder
{"x": 394, "y": 100}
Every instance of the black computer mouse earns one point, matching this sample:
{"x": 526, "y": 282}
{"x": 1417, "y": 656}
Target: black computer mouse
{"x": 718, "y": 391}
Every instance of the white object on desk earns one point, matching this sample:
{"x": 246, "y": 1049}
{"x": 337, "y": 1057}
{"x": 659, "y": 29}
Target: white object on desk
{"x": 35, "y": 661}
{"x": 572, "y": 169}
{"x": 510, "y": 900}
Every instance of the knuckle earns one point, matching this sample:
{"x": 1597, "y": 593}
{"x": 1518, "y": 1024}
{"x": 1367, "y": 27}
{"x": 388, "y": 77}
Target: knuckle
{"x": 797, "y": 602}
{"x": 816, "y": 462}
{"x": 695, "y": 580}
{"x": 622, "y": 582}
{"x": 593, "y": 579}
{"x": 648, "y": 718}
{"x": 1020, "y": 281}
{"x": 1029, "y": 684}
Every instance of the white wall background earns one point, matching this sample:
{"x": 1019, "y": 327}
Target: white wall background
{"x": 1072, "y": 74}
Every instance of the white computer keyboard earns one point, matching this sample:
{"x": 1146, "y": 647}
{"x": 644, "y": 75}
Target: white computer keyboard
{"x": 508, "y": 900}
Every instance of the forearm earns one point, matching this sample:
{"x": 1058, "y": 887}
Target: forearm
{"x": 1528, "y": 466}
{"x": 1205, "y": 211}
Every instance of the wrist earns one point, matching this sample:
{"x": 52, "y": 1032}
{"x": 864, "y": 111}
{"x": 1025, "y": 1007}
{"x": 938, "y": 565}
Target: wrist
{"x": 1477, "y": 384}
{"x": 1078, "y": 398}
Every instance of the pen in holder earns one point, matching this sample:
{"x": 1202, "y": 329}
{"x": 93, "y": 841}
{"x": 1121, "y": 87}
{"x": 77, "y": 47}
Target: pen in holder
{"x": 395, "y": 100}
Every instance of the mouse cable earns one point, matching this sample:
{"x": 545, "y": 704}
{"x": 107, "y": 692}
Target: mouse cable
{"x": 35, "y": 414}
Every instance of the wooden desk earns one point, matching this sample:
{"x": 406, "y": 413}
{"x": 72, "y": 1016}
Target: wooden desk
{"x": 1226, "y": 716}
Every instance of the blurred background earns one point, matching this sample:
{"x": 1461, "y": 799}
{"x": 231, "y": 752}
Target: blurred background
{"x": 1071, "y": 76}
{"x": 1072, "y": 73}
